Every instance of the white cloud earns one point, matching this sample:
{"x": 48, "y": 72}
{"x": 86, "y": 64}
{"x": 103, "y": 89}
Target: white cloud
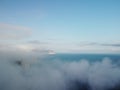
{"x": 58, "y": 75}
{"x": 13, "y": 32}
{"x": 27, "y": 47}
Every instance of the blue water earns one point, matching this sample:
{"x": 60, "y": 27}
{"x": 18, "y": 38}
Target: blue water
{"x": 89, "y": 57}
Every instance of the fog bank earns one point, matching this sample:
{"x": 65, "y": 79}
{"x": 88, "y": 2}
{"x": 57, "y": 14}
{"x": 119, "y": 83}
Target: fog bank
{"x": 56, "y": 75}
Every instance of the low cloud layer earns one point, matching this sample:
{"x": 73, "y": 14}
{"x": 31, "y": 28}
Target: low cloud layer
{"x": 31, "y": 46}
{"x": 56, "y": 74}
{"x": 100, "y": 44}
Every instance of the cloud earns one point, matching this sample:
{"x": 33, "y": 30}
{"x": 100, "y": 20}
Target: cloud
{"x": 114, "y": 44}
{"x": 87, "y": 43}
{"x": 96, "y": 47}
{"x": 13, "y": 32}
{"x": 58, "y": 74}
{"x": 33, "y": 47}
{"x": 37, "y": 42}
{"x": 99, "y": 44}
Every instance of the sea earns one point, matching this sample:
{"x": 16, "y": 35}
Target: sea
{"x": 89, "y": 57}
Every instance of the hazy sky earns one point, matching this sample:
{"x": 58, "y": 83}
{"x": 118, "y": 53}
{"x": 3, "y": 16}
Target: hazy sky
{"x": 80, "y": 26}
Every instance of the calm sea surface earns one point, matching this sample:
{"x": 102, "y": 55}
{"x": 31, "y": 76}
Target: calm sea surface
{"x": 89, "y": 57}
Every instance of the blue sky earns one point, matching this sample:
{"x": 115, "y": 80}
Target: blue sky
{"x": 63, "y": 25}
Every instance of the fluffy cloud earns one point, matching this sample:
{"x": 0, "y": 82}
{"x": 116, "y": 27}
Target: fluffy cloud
{"x": 58, "y": 75}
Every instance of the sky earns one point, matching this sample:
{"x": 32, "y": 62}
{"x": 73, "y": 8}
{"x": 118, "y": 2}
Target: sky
{"x": 64, "y": 26}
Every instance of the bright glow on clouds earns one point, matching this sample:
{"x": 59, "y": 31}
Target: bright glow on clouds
{"x": 25, "y": 47}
